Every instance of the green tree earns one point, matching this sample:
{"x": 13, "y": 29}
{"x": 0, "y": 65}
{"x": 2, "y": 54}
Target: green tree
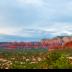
{"x": 16, "y": 67}
{"x": 61, "y": 63}
{"x": 52, "y": 57}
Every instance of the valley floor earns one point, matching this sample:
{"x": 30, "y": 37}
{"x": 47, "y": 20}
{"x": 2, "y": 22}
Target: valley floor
{"x": 28, "y": 59}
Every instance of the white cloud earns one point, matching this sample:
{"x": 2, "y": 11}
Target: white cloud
{"x": 62, "y": 32}
{"x": 39, "y": 31}
{"x": 13, "y": 31}
{"x": 49, "y": 29}
{"x": 23, "y": 31}
{"x": 29, "y": 31}
{"x": 53, "y": 28}
{"x": 67, "y": 32}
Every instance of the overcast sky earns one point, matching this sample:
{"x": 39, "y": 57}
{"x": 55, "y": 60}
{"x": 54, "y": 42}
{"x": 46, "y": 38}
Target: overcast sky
{"x": 32, "y": 20}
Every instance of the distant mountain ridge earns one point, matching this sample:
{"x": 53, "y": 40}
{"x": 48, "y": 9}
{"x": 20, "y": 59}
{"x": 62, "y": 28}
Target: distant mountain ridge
{"x": 58, "y": 39}
{"x": 44, "y": 43}
{"x": 5, "y": 43}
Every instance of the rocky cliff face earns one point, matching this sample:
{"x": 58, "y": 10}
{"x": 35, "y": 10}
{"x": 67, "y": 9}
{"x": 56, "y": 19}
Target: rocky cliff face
{"x": 68, "y": 45}
{"x": 58, "y": 39}
{"x": 56, "y": 42}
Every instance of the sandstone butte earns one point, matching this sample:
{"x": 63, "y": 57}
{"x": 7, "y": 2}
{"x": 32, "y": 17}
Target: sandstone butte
{"x": 68, "y": 45}
{"x": 55, "y": 43}
{"x": 58, "y": 39}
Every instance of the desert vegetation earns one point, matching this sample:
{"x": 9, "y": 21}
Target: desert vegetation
{"x": 44, "y": 55}
{"x": 35, "y": 59}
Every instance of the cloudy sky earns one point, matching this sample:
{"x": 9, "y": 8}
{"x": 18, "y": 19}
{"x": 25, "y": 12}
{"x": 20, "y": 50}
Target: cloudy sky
{"x": 32, "y": 20}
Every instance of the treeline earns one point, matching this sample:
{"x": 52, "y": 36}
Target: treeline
{"x": 5, "y": 43}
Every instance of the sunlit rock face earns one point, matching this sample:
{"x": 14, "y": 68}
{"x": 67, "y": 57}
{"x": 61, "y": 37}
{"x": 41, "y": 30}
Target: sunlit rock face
{"x": 5, "y": 45}
{"x": 66, "y": 45}
{"x": 58, "y": 39}
{"x": 44, "y": 43}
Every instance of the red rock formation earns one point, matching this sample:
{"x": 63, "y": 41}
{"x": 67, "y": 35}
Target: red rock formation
{"x": 35, "y": 44}
{"x": 45, "y": 46}
{"x": 54, "y": 48}
{"x": 14, "y": 43}
{"x": 26, "y": 44}
{"x": 63, "y": 43}
{"x": 68, "y": 43}
{"x": 5, "y": 45}
{"x": 58, "y": 39}
{"x": 18, "y": 43}
{"x": 37, "y": 47}
{"x": 20, "y": 46}
{"x": 63, "y": 47}
{"x": 54, "y": 43}
{"x": 30, "y": 44}
{"x": 12, "y": 47}
{"x": 43, "y": 43}
{"x": 27, "y": 47}
{"x": 22, "y": 43}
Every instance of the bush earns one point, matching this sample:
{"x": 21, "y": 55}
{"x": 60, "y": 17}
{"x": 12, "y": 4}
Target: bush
{"x": 52, "y": 57}
{"x": 16, "y": 67}
{"x": 62, "y": 63}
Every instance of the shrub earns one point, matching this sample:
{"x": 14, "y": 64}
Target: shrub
{"x": 16, "y": 67}
{"x": 62, "y": 63}
{"x": 52, "y": 57}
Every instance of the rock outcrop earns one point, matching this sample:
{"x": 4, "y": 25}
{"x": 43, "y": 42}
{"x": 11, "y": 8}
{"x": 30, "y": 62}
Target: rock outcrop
{"x": 68, "y": 45}
{"x": 44, "y": 43}
{"x": 5, "y": 45}
{"x": 58, "y": 39}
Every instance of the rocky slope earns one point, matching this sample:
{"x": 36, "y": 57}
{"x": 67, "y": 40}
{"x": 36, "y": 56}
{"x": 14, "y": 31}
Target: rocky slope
{"x": 5, "y": 45}
{"x": 56, "y": 42}
{"x": 58, "y": 39}
{"x": 68, "y": 45}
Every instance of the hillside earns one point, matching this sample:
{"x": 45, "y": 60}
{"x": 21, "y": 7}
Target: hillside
{"x": 5, "y": 43}
{"x": 68, "y": 45}
{"x": 58, "y": 39}
{"x": 44, "y": 43}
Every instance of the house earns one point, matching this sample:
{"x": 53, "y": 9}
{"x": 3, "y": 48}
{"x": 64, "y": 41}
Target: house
{"x": 24, "y": 57}
{"x": 12, "y": 58}
{"x": 27, "y": 60}
{"x": 34, "y": 59}
{"x": 39, "y": 59}
{"x": 22, "y": 62}
{"x": 4, "y": 60}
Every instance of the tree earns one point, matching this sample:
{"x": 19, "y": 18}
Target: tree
{"x": 61, "y": 63}
{"x": 52, "y": 57}
{"x": 16, "y": 67}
